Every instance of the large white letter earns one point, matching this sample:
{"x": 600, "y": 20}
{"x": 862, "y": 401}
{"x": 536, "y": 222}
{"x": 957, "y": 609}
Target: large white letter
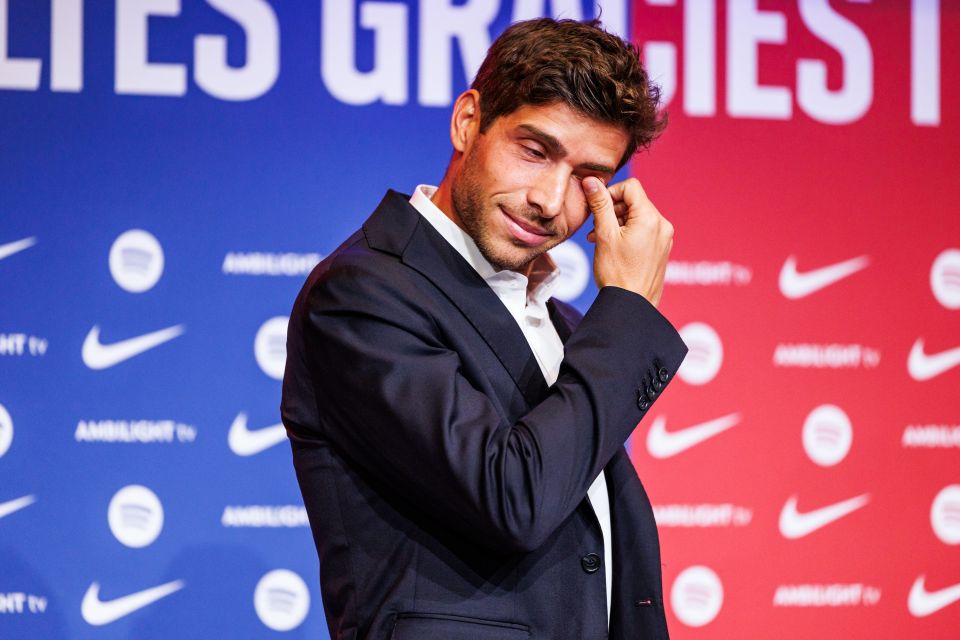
{"x": 700, "y": 57}
{"x": 253, "y": 79}
{"x": 15, "y": 73}
{"x": 613, "y": 13}
{"x": 529, "y": 9}
{"x": 440, "y": 23}
{"x": 387, "y": 80}
{"x": 134, "y": 73}
{"x": 925, "y": 63}
{"x": 66, "y": 45}
{"x": 746, "y": 28}
{"x": 853, "y": 98}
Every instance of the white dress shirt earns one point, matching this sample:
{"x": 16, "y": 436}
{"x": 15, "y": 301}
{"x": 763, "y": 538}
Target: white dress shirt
{"x": 526, "y": 300}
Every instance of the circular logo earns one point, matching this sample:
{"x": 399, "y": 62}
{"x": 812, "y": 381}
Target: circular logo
{"x": 696, "y": 596}
{"x": 281, "y": 600}
{"x": 827, "y": 435}
{"x": 135, "y": 516}
{"x": 270, "y": 346}
{"x": 136, "y": 260}
{"x": 945, "y": 278}
{"x": 574, "y": 270}
{"x": 705, "y": 354}
{"x": 945, "y": 514}
{"x": 6, "y": 430}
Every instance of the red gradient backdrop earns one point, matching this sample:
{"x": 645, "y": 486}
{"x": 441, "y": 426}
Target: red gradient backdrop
{"x": 746, "y": 194}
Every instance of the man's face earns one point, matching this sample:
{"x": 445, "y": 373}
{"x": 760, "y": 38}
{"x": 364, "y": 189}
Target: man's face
{"x": 518, "y": 191}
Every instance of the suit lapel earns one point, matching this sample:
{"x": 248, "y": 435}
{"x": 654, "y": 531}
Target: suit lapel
{"x": 398, "y": 228}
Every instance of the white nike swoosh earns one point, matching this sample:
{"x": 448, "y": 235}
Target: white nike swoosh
{"x": 795, "y": 285}
{"x": 663, "y": 444}
{"x": 796, "y": 525}
{"x": 97, "y": 612}
{"x": 923, "y": 366}
{"x": 922, "y": 602}
{"x": 7, "y": 250}
{"x": 8, "y": 507}
{"x": 101, "y": 356}
{"x": 244, "y": 442}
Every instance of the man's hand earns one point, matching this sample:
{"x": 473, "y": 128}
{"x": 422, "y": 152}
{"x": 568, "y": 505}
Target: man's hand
{"x": 633, "y": 239}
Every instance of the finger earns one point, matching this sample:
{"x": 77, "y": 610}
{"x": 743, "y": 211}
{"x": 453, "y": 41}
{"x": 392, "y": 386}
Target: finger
{"x": 592, "y": 236}
{"x": 600, "y": 202}
{"x": 630, "y": 192}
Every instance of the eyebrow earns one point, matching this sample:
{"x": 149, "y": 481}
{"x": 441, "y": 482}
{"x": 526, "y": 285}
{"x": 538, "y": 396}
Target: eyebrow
{"x": 556, "y": 148}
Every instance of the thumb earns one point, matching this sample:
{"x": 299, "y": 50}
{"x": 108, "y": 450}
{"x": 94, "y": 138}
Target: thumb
{"x": 600, "y": 202}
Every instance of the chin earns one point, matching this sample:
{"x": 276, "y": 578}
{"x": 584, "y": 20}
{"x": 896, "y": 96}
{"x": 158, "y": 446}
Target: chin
{"x": 510, "y": 256}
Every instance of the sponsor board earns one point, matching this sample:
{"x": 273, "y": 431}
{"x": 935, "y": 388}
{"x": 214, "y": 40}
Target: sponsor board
{"x": 827, "y": 435}
{"x": 945, "y": 515}
{"x": 665, "y": 444}
{"x": 281, "y": 600}
{"x": 8, "y": 249}
{"x": 705, "y": 354}
{"x": 260, "y": 516}
{"x": 795, "y": 284}
{"x": 257, "y": 263}
{"x": 22, "y": 344}
{"x": 795, "y": 524}
{"x": 945, "y": 278}
{"x": 852, "y": 594}
{"x": 931, "y": 436}
{"x": 702, "y": 515}
{"x": 17, "y": 602}
{"x": 696, "y": 596}
{"x": 136, "y": 261}
{"x": 134, "y": 431}
{"x": 12, "y": 506}
{"x": 923, "y": 602}
{"x": 6, "y": 430}
{"x": 97, "y": 612}
{"x": 705, "y": 273}
{"x": 244, "y": 441}
{"x": 825, "y": 356}
{"x": 270, "y": 346}
{"x": 98, "y": 355}
{"x": 135, "y": 516}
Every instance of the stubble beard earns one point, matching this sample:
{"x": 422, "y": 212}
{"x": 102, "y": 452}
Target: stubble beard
{"x": 467, "y": 196}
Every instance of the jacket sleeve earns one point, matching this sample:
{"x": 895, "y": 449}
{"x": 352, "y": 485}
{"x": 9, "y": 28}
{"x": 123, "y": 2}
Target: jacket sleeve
{"x": 392, "y": 399}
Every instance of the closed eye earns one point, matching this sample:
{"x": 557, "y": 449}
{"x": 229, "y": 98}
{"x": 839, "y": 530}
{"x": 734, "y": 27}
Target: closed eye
{"x": 534, "y": 153}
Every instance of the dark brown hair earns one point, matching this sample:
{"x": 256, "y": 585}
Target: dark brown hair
{"x": 577, "y": 63}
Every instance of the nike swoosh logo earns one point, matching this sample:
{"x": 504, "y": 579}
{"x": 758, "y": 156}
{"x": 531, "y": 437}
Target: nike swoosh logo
{"x": 663, "y": 444}
{"x": 102, "y": 356}
{"x": 795, "y": 285}
{"x": 923, "y": 366}
{"x": 8, "y": 507}
{"x": 244, "y": 442}
{"x": 7, "y": 250}
{"x": 97, "y": 612}
{"x": 922, "y": 603}
{"x": 794, "y": 524}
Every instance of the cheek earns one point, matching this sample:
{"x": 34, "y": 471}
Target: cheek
{"x": 576, "y": 206}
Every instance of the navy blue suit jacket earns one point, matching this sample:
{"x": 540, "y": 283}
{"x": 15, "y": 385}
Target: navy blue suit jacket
{"x": 444, "y": 480}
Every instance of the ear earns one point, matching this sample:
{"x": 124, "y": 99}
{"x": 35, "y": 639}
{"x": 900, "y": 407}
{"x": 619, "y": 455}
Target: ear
{"x": 465, "y": 121}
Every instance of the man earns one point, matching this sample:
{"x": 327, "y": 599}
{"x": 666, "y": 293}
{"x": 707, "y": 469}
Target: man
{"x": 457, "y": 434}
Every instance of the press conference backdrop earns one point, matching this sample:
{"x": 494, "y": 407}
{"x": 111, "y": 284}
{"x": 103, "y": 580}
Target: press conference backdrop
{"x": 172, "y": 169}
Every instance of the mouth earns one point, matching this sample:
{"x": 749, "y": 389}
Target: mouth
{"x": 528, "y": 234}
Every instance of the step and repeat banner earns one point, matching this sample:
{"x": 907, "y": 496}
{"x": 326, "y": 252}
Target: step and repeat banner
{"x": 171, "y": 170}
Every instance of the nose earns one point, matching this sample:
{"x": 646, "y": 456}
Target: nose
{"x": 549, "y": 191}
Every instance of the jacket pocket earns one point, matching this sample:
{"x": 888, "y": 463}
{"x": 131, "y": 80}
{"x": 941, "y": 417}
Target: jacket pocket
{"x": 424, "y": 626}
